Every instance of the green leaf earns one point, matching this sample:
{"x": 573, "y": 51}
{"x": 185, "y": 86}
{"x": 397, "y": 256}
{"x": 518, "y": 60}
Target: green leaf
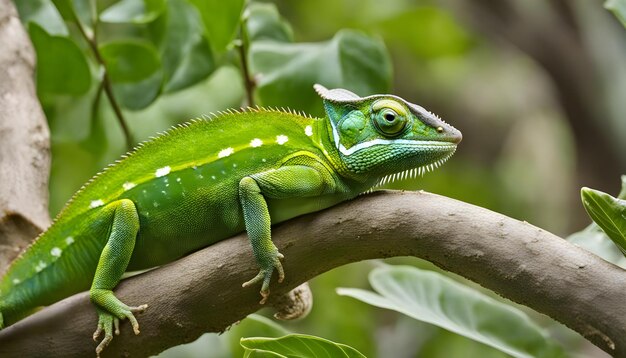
{"x": 221, "y": 20}
{"x": 609, "y": 213}
{"x": 263, "y": 22}
{"x": 133, "y": 11}
{"x": 185, "y": 52}
{"x": 431, "y": 297}
{"x": 622, "y": 193}
{"x": 618, "y": 7}
{"x": 129, "y": 61}
{"x": 593, "y": 239}
{"x": 66, "y": 9}
{"x": 349, "y": 60}
{"x": 296, "y": 345}
{"x": 44, "y": 13}
{"x": 139, "y": 95}
{"x": 61, "y": 66}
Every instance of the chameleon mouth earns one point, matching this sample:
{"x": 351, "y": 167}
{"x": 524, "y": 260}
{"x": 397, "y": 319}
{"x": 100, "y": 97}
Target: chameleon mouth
{"x": 411, "y": 173}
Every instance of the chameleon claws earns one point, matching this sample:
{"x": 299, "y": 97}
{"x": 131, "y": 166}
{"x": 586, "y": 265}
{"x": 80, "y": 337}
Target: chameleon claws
{"x": 265, "y": 294}
{"x": 132, "y": 319}
{"x": 256, "y": 279}
{"x": 110, "y": 324}
{"x": 105, "y": 342}
{"x": 97, "y": 333}
{"x": 265, "y": 276}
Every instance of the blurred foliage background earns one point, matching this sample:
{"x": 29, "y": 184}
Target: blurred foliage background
{"x": 536, "y": 88}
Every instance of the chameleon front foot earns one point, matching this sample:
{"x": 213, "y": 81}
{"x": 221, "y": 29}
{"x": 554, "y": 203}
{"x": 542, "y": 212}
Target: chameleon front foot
{"x": 110, "y": 311}
{"x": 265, "y": 275}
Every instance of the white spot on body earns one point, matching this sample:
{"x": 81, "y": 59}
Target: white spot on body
{"x": 213, "y": 177}
{"x": 281, "y": 139}
{"x": 40, "y": 266}
{"x": 234, "y": 165}
{"x": 264, "y": 160}
{"x": 225, "y": 152}
{"x": 256, "y": 142}
{"x": 69, "y": 240}
{"x": 96, "y": 203}
{"x": 308, "y": 130}
{"x": 56, "y": 252}
{"x": 162, "y": 171}
{"x": 16, "y": 281}
{"x": 178, "y": 180}
{"x": 128, "y": 185}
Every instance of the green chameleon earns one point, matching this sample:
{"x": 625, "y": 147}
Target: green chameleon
{"x": 206, "y": 180}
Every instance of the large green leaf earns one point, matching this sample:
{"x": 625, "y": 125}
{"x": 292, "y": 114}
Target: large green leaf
{"x": 185, "y": 52}
{"x": 350, "y": 60}
{"x": 221, "y": 20}
{"x": 44, "y": 13}
{"x": 595, "y": 240}
{"x": 129, "y": 60}
{"x": 619, "y": 9}
{"x": 297, "y": 345}
{"x": 139, "y": 95}
{"x": 609, "y": 213}
{"x": 431, "y": 297}
{"x": 227, "y": 344}
{"x": 61, "y": 66}
{"x": 133, "y": 11}
{"x": 263, "y": 22}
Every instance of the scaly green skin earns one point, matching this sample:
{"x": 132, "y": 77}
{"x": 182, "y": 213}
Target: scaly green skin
{"x": 207, "y": 180}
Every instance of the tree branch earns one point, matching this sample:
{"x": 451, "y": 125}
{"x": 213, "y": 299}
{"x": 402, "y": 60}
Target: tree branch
{"x": 202, "y": 292}
{"x": 24, "y": 141}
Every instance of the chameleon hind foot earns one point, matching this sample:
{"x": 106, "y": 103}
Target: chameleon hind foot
{"x": 109, "y": 323}
{"x": 265, "y": 275}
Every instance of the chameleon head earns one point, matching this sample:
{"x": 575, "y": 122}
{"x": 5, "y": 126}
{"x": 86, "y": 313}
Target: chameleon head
{"x": 381, "y": 135}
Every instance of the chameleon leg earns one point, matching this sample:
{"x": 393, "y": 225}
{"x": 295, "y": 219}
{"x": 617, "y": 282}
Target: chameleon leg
{"x": 113, "y": 262}
{"x": 285, "y": 182}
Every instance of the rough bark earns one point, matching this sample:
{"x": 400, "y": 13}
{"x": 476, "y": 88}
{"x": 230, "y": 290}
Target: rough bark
{"x": 24, "y": 141}
{"x": 202, "y": 292}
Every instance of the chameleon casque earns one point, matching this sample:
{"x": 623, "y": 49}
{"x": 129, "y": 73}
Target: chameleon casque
{"x": 206, "y": 180}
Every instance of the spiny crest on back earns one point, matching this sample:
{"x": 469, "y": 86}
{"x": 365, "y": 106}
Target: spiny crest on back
{"x": 210, "y": 120}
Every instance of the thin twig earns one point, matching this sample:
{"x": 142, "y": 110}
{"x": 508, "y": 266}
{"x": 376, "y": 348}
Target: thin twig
{"x": 106, "y": 81}
{"x": 242, "y": 48}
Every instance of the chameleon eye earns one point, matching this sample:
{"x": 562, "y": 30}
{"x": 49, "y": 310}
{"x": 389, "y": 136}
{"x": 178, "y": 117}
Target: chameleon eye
{"x": 389, "y": 122}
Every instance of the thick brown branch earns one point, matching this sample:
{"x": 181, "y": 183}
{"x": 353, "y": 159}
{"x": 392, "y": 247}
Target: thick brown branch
{"x": 202, "y": 292}
{"x": 24, "y": 141}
